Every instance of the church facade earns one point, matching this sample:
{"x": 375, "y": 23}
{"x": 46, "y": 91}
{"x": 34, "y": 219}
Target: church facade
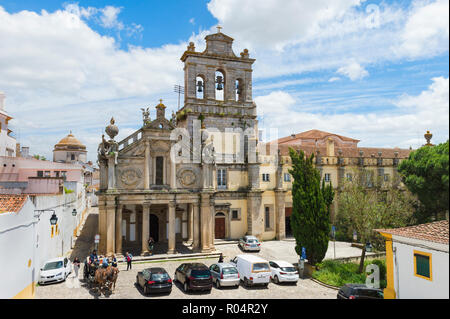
{"x": 202, "y": 174}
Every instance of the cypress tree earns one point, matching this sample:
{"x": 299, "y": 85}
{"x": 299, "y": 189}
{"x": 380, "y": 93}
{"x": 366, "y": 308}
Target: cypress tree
{"x": 310, "y": 219}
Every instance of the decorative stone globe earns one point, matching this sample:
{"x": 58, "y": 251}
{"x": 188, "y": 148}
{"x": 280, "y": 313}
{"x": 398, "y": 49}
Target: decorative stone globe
{"x": 112, "y": 130}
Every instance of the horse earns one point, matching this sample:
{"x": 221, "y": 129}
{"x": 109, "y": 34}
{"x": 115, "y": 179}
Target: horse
{"x": 111, "y": 276}
{"x": 100, "y": 277}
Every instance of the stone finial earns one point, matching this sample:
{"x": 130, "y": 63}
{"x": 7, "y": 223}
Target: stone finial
{"x": 191, "y": 47}
{"x": 428, "y": 137}
{"x": 112, "y": 130}
{"x": 244, "y": 54}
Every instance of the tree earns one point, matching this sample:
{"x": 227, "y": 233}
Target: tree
{"x": 310, "y": 219}
{"x": 425, "y": 174}
{"x": 363, "y": 209}
{"x": 39, "y": 157}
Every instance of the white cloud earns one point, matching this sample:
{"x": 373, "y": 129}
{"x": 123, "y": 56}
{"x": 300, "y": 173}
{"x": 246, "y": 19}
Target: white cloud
{"x": 315, "y": 35}
{"x": 334, "y": 79}
{"x": 426, "y": 30}
{"x": 109, "y": 17}
{"x": 353, "y": 71}
{"x": 403, "y": 126}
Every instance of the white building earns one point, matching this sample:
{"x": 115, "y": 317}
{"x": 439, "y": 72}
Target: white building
{"x": 417, "y": 261}
{"x": 7, "y": 142}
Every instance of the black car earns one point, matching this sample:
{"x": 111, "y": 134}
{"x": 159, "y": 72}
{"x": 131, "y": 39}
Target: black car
{"x": 359, "y": 291}
{"x": 194, "y": 276}
{"x": 155, "y": 280}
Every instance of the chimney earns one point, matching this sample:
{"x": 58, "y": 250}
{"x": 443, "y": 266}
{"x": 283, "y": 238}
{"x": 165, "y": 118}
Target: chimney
{"x": 25, "y": 151}
{"x": 17, "y": 149}
{"x": 2, "y": 100}
{"x": 330, "y": 147}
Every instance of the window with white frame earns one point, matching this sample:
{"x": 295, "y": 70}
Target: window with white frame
{"x": 386, "y": 177}
{"x": 221, "y": 178}
{"x": 235, "y": 214}
{"x": 287, "y": 177}
{"x": 265, "y": 177}
{"x": 327, "y": 177}
{"x": 349, "y": 177}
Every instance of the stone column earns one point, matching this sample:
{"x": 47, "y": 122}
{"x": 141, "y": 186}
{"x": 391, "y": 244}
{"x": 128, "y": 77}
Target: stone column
{"x": 212, "y": 224}
{"x": 110, "y": 229}
{"x": 147, "y": 161}
{"x": 171, "y": 235}
{"x": 119, "y": 230}
{"x": 254, "y": 219}
{"x": 145, "y": 228}
{"x": 196, "y": 226}
{"x": 205, "y": 212}
{"x": 190, "y": 223}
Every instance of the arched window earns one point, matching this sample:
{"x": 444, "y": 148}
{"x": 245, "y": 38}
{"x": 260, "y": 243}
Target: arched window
{"x": 239, "y": 90}
{"x": 220, "y": 85}
{"x": 200, "y": 87}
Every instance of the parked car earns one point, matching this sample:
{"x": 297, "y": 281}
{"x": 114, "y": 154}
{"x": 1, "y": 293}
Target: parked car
{"x": 224, "y": 274}
{"x": 194, "y": 276}
{"x": 283, "y": 271}
{"x": 55, "y": 270}
{"x": 250, "y": 243}
{"x": 359, "y": 291}
{"x": 252, "y": 269}
{"x": 154, "y": 280}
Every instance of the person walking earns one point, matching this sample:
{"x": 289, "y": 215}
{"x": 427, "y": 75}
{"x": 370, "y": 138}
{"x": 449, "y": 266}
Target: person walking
{"x": 128, "y": 259}
{"x": 76, "y": 266}
{"x": 114, "y": 261}
{"x": 151, "y": 243}
{"x": 221, "y": 258}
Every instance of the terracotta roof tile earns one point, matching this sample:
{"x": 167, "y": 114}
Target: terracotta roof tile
{"x": 11, "y": 203}
{"x": 435, "y": 232}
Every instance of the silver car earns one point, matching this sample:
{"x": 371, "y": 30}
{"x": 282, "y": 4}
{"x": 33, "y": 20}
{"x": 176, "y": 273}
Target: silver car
{"x": 224, "y": 275}
{"x": 250, "y": 243}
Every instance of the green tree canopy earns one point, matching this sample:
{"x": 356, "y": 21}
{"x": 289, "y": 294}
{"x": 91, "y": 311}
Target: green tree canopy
{"x": 310, "y": 219}
{"x": 425, "y": 174}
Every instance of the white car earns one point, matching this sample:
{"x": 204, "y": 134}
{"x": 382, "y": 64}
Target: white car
{"x": 283, "y": 271}
{"x": 55, "y": 270}
{"x": 250, "y": 243}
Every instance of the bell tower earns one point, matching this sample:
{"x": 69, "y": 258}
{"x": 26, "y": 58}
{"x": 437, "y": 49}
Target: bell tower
{"x": 218, "y": 86}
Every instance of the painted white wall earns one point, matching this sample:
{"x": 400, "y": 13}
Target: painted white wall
{"x": 16, "y": 249}
{"x": 409, "y": 286}
{"x": 23, "y": 237}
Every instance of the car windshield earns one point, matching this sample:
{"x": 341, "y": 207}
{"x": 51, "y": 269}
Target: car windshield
{"x": 160, "y": 276}
{"x": 261, "y": 267}
{"x": 252, "y": 241}
{"x": 288, "y": 269}
{"x": 53, "y": 265}
{"x": 229, "y": 271}
{"x": 200, "y": 273}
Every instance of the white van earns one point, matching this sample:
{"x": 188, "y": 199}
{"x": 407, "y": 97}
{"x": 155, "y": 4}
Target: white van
{"x": 252, "y": 269}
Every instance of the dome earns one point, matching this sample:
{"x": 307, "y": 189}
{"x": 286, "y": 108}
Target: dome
{"x": 70, "y": 142}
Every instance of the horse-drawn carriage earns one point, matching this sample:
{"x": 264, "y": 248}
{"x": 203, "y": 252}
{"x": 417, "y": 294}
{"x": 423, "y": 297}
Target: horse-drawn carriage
{"x": 97, "y": 275}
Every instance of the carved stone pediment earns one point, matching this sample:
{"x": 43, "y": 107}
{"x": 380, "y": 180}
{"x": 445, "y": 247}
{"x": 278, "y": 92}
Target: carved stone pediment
{"x": 160, "y": 123}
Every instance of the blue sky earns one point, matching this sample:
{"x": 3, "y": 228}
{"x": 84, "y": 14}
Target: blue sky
{"x": 372, "y": 70}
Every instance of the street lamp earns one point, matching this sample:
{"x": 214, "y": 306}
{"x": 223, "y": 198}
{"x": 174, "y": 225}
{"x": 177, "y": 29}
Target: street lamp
{"x": 53, "y": 219}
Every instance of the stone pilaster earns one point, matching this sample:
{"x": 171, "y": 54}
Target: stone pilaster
{"x": 205, "y": 220}
{"x": 280, "y": 213}
{"x": 102, "y": 231}
{"x": 254, "y": 218}
{"x": 190, "y": 223}
{"x": 119, "y": 229}
{"x": 110, "y": 228}
{"x": 147, "y": 160}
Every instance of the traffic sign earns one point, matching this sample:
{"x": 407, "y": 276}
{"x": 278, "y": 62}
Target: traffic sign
{"x": 97, "y": 239}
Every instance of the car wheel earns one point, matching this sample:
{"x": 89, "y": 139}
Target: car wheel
{"x": 266, "y": 285}
{"x": 246, "y": 282}
{"x": 217, "y": 284}
{"x": 145, "y": 290}
{"x": 185, "y": 287}
{"x": 276, "y": 280}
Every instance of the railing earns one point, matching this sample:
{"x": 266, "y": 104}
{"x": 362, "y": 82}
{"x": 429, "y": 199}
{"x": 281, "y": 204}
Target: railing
{"x": 133, "y": 138}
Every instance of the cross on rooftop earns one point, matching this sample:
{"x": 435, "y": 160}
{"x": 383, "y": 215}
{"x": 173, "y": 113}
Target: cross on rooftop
{"x": 218, "y": 29}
